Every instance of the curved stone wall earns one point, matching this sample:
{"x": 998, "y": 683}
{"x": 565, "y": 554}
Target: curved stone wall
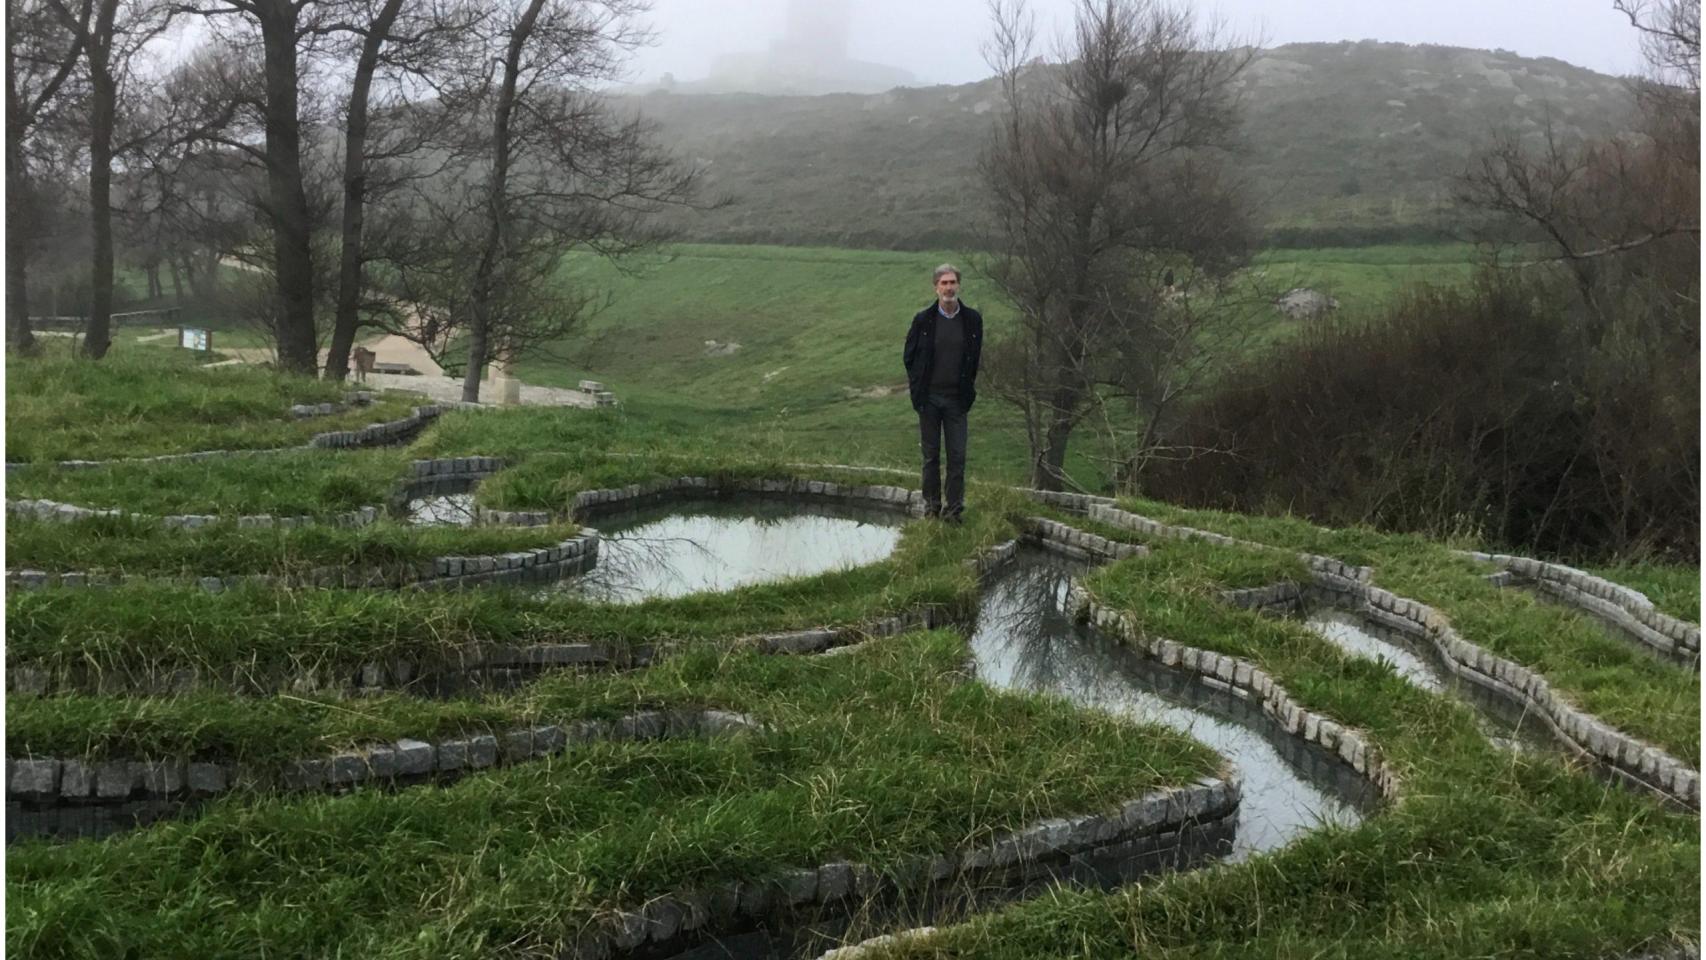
{"x": 1161, "y": 822}
{"x": 43, "y": 789}
{"x": 541, "y": 565}
{"x": 375, "y": 434}
{"x": 1627, "y": 609}
{"x": 1638, "y": 763}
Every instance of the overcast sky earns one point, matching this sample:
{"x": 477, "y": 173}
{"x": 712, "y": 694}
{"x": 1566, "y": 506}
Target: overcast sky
{"x": 938, "y": 40}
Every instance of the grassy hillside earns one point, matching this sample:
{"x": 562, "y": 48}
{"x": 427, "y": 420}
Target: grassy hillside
{"x": 892, "y": 756}
{"x": 820, "y": 333}
{"x": 1341, "y": 142}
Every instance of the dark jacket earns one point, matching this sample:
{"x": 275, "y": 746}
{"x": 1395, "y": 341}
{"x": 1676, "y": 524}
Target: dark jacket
{"x": 920, "y": 356}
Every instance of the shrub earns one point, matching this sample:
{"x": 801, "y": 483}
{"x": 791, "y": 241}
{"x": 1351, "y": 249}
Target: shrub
{"x": 1493, "y": 411}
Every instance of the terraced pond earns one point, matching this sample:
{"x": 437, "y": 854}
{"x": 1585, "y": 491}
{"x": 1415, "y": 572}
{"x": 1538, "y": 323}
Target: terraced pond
{"x": 1024, "y": 641}
{"x": 701, "y": 546}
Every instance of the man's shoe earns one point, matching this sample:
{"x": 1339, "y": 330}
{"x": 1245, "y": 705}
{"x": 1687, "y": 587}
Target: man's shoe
{"x": 954, "y": 518}
{"x": 932, "y": 511}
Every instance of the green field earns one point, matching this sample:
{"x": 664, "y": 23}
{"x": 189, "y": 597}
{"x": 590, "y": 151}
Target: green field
{"x": 146, "y": 400}
{"x": 880, "y": 756}
{"x": 820, "y": 332}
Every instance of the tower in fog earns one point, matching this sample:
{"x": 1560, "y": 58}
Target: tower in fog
{"x": 816, "y": 32}
{"x": 809, "y": 58}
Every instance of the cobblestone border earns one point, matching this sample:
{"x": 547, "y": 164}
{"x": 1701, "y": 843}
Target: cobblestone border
{"x": 1352, "y": 746}
{"x": 51, "y": 783}
{"x": 1242, "y": 677}
{"x": 304, "y": 411}
{"x": 453, "y": 469}
{"x": 52, "y": 511}
{"x": 1640, "y": 763}
{"x": 499, "y": 661}
{"x": 424, "y": 475}
{"x": 1636, "y": 762}
{"x": 540, "y": 565}
{"x": 659, "y": 491}
{"x": 1158, "y": 822}
{"x": 1627, "y": 609}
{"x": 374, "y": 434}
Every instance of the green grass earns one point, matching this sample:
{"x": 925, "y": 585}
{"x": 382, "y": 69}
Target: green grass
{"x": 1601, "y": 673}
{"x": 1487, "y": 853}
{"x": 147, "y": 627}
{"x": 146, "y": 401}
{"x": 1674, "y": 590}
{"x": 874, "y": 757}
{"x": 821, "y": 331}
{"x": 299, "y": 483}
{"x": 142, "y": 548}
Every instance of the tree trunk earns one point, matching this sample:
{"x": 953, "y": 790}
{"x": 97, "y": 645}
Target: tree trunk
{"x": 292, "y": 255}
{"x": 18, "y": 336}
{"x": 1047, "y": 464}
{"x": 479, "y": 347}
{"x": 355, "y": 195}
{"x": 97, "y": 331}
{"x": 177, "y": 281}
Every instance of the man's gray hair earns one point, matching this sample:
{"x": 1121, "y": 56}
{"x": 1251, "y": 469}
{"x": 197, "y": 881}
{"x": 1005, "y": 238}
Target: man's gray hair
{"x": 944, "y": 269}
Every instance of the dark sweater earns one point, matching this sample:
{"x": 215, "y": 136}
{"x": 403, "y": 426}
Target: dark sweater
{"x": 950, "y": 347}
{"x": 919, "y": 357}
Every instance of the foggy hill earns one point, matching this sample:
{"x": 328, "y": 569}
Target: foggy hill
{"x": 1343, "y": 142}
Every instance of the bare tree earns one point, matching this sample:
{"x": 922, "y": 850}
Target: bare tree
{"x": 285, "y": 31}
{"x": 557, "y": 170}
{"x": 1615, "y": 212}
{"x": 393, "y": 46}
{"x": 40, "y": 57}
{"x": 1113, "y": 225}
{"x": 113, "y": 37}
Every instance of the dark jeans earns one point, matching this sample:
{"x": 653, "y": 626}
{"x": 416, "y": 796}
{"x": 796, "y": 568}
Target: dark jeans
{"x": 942, "y": 416}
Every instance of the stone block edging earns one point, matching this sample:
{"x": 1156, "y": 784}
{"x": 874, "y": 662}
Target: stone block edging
{"x": 304, "y": 411}
{"x": 1242, "y": 677}
{"x": 454, "y": 468}
{"x": 1639, "y": 763}
{"x": 1626, "y": 608}
{"x": 52, "y": 511}
{"x": 657, "y": 491}
{"x": 380, "y": 434}
{"x": 374, "y": 434}
{"x": 378, "y": 676}
{"x": 540, "y": 565}
{"x": 1105, "y": 510}
{"x": 51, "y": 782}
{"x": 1158, "y": 818}
{"x": 1351, "y": 745}
{"x": 1280, "y": 598}
{"x": 1081, "y": 544}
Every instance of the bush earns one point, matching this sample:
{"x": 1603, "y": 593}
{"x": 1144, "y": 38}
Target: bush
{"x": 1492, "y": 411}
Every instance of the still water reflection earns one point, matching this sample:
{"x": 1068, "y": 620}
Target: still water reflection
{"x": 1507, "y": 725}
{"x": 442, "y": 502}
{"x": 683, "y": 548}
{"x": 1024, "y": 641}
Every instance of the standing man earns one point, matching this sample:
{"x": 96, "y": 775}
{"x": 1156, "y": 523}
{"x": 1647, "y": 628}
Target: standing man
{"x": 942, "y": 351}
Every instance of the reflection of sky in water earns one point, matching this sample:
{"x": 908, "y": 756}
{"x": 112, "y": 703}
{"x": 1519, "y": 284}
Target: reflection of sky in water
{"x": 1505, "y": 725}
{"x": 446, "y": 510}
{"x": 689, "y": 548}
{"x": 1024, "y": 642}
{"x": 1349, "y": 633}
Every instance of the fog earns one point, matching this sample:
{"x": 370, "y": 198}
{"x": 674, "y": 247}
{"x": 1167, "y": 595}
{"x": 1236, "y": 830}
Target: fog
{"x": 938, "y": 41}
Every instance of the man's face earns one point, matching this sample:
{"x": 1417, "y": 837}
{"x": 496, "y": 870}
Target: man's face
{"x": 948, "y": 288}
